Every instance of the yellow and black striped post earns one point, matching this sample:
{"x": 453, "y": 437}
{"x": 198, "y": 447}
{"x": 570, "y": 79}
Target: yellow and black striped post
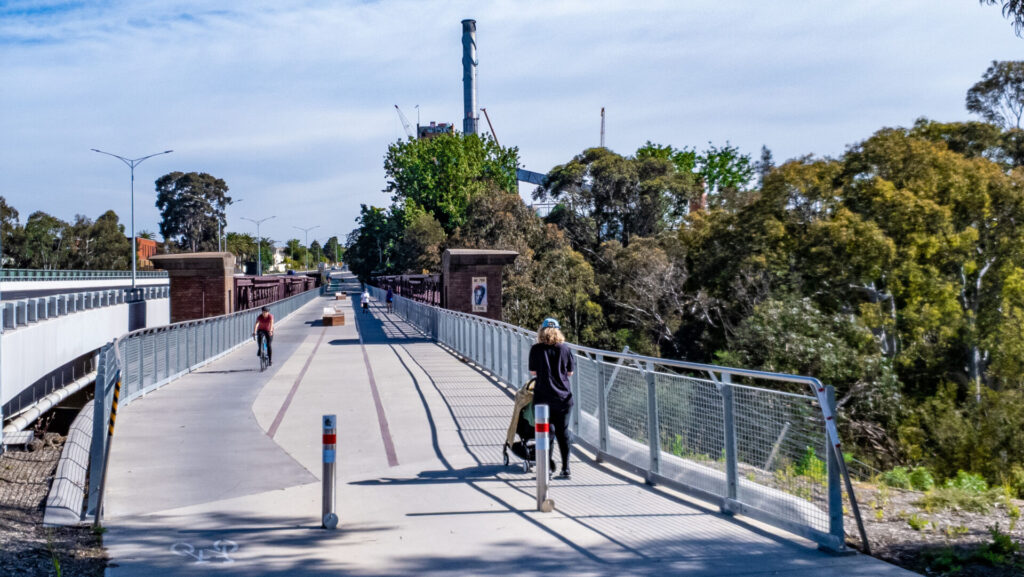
{"x": 110, "y": 444}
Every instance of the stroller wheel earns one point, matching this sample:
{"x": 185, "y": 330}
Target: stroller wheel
{"x": 526, "y": 466}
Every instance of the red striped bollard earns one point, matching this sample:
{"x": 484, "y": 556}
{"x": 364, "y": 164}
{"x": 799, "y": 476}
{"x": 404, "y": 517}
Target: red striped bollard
{"x": 542, "y": 447}
{"x": 330, "y": 519}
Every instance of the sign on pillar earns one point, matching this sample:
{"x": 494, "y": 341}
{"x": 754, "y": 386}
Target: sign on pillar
{"x": 330, "y": 519}
{"x": 542, "y": 447}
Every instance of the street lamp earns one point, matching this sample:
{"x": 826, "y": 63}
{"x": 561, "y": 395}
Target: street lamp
{"x": 219, "y": 248}
{"x": 259, "y": 242}
{"x": 306, "y": 230}
{"x": 132, "y": 163}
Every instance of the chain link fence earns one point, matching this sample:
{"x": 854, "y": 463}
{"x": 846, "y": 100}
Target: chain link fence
{"x": 147, "y": 359}
{"x": 717, "y": 433}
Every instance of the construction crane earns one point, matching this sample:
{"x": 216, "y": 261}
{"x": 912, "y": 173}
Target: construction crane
{"x": 491, "y": 126}
{"x": 405, "y": 123}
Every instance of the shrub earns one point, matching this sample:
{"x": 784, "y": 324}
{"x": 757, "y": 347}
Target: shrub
{"x": 811, "y": 466}
{"x": 1015, "y": 481}
{"x": 967, "y": 482}
{"x": 897, "y": 478}
{"x": 945, "y": 498}
{"x": 921, "y": 479}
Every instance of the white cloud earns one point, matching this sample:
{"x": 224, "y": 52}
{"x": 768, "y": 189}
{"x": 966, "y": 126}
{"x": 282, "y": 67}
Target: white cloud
{"x": 291, "y": 101}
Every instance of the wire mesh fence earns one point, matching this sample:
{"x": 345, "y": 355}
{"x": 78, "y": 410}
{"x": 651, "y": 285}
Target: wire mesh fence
{"x": 715, "y": 432}
{"x": 147, "y": 359}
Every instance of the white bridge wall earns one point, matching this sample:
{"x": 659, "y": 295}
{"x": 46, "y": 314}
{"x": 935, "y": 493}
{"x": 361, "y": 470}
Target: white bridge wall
{"x": 30, "y": 352}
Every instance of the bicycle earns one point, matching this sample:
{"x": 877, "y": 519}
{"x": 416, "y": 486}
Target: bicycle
{"x": 264, "y": 356}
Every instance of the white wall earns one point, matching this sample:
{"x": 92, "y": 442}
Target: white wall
{"x": 30, "y": 352}
{"x": 85, "y": 284}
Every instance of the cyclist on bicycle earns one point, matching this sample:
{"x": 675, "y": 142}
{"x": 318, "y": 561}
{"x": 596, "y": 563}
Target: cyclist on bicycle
{"x": 264, "y": 329}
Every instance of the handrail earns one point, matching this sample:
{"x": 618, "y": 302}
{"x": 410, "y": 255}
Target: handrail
{"x": 720, "y": 376}
{"x": 31, "y": 274}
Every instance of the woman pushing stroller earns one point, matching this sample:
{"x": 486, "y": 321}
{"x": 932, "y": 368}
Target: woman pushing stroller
{"x": 552, "y": 363}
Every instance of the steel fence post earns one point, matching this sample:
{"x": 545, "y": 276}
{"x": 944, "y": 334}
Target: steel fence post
{"x": 139, "y": 341}
{"x": 602, "y": 400}
{"x": 653, "y": 425}
{"x": 574, "y": 382}
{"x": 835, "y": 482}
{"x": 508, "y": 356}
{"x": 520, "y": 377}
{"x": 97, "y": 447}
{"x": 729, "y": 423}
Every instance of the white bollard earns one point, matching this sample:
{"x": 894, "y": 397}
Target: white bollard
{"x": 542, "y": 447}
{"x": 330, "y": 519}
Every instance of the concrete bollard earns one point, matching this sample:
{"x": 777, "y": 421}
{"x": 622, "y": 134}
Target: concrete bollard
{"x": 543, "y": 449}
{"x": 329, "y": 518}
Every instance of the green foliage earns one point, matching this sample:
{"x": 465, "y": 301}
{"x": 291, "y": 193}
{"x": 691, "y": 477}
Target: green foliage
{"x": 190, "y": 206}
{"x": 917, "y": 522}
{"x": 809, "y": 465}
{"x": 921, "y": 479}
{"x": 897, "y": 478}
{"x": 952, "y": 498}
{"x": 441, "y": 174}
{"x": 999, "y": 96}
{"x": 1001, "y": 549}
{"x": 967, "y": 482}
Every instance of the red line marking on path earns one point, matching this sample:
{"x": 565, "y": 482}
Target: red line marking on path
{"x": 295, "y": 386}
{"x": 382, "y": 419}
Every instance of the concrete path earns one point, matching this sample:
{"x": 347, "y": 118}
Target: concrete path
{"x": 219, "y": 472}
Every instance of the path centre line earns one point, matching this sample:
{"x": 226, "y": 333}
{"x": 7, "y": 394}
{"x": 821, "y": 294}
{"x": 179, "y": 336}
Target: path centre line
{"x": 295, "y": 386}
{"x": 382, "y": 419}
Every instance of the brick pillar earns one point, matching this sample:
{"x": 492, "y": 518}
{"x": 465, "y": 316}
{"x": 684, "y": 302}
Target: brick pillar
{"x": 472, "y": 280}
{"x": 201, "y": 283}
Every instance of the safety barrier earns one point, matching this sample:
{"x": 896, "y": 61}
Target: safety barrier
{"x": 147, "y": 359}
{"x": 31, "y": 274}
{"x": 768, "y": 454}
{"x": 24, "y": 312}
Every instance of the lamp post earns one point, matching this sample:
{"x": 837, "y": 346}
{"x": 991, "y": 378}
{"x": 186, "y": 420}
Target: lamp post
{"x": 219, "y": 247}
{"x": 259, "y": 242}
{"x": 306, "y": 230}
{"x": 132, "y": 163}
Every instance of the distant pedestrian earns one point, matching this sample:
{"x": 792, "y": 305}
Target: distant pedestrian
{"x": 390, "y": 299}
{"x": 552, "y": 363}
{"x": 365, "y": 299}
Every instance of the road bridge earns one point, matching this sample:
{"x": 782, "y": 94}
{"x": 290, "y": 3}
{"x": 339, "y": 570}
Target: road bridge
{"x": 221, "y": 467}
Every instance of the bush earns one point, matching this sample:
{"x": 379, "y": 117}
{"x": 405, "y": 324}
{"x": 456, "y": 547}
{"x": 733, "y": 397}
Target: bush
{"x": 1015, "y": 481}
{"x": 897, "y": 478}
{"x": 811, "y": 466}
{"x": 953, "y": 498}
{"x": 968, "y": 482}
{"x": 921, "y": 479}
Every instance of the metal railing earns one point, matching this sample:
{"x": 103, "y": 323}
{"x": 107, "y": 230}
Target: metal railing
{"x": 147, "y": 359}
{"x": 30, "y": 274}
{"x": 20, "y": 313}
{"x": 709, "y": 431}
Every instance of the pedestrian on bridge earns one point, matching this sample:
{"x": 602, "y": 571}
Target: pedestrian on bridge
{"x": 552, "y": 363}
{"x": 365, "y": 300}
{"x": 390, "y": 299}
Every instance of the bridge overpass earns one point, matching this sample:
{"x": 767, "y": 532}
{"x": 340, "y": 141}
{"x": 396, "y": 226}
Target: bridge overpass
{"x": 221, "y": 464}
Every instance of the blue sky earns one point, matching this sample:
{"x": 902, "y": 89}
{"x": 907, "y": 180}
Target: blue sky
{"x": 291, "y": 102}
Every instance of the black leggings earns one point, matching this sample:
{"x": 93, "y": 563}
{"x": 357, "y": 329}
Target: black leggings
{"x": 270, "y": 339}
{"x": 559, "y": 425}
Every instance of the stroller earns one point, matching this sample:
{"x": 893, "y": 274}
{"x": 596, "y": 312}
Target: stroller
{"x": 522, "y": 426}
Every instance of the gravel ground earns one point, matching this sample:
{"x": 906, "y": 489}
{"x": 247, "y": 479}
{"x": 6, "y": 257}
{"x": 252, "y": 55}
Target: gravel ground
{"x": 26, "y": 547}
{"x": 946, "y": 543}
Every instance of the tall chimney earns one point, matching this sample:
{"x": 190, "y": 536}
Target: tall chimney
{"x": 469, "y": 62}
